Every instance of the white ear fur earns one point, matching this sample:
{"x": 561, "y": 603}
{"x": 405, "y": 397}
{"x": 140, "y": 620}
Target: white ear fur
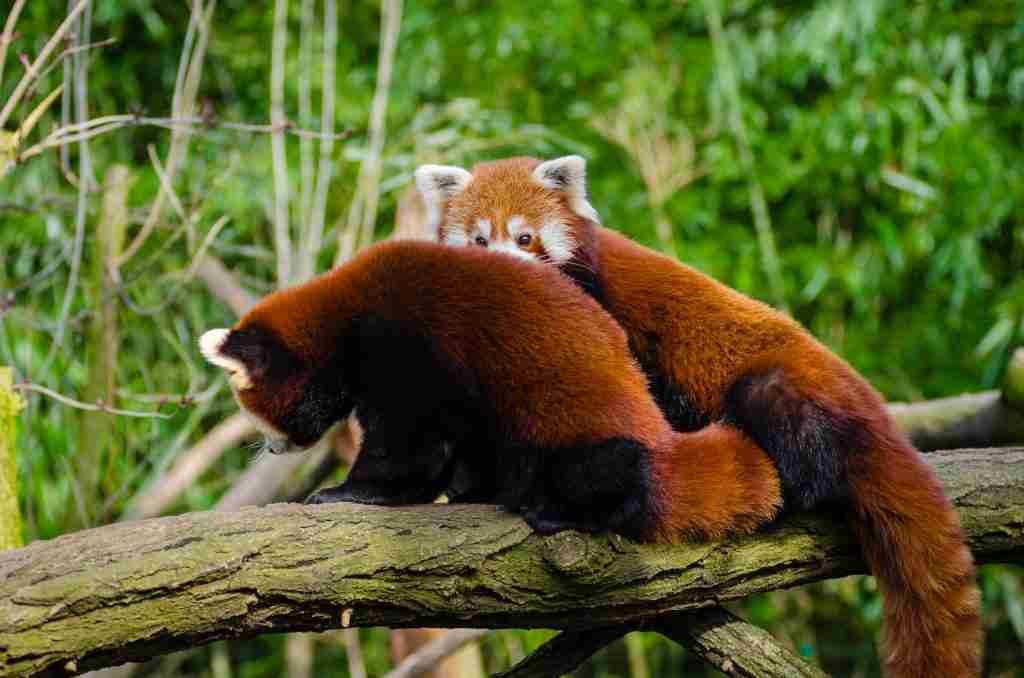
{"x": 569, "y": 174}
{"x": 437, "y": 183}
{"x": 210, "y": 345}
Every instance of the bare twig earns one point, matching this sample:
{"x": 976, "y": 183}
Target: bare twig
{"x": 81, "y": 209}
{"x": 362, "y": 214}
{"x": 223, "y": 285}
{"x": 35, "y": 68}
{"x": 282, "y": 233}
{"x": 298, "y": 655}
{"x": 432, "y": 654}
{"x": 8, "y": 34}
{"x": 317, "y": 216}
{"x": 80, "y": 61}
{"x": 308, "y": 28}
{"x": 354, "y": 653}
{"x": 77, "y": 404}
{"x": 186, "y": 87}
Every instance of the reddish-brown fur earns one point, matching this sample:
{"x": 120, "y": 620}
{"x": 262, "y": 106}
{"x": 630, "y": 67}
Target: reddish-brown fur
{"x": 549, "y": 358}
{"x": 708, "y": 337}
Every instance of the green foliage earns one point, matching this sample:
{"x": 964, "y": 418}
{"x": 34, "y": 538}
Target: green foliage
{"x": 886, "y": 136}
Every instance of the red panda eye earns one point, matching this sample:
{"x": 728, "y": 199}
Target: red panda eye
{"x": 482, "y": 241}
{"x": 524, "y": 239}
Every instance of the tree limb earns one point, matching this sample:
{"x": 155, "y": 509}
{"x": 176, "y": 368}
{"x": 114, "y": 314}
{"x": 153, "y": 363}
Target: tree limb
{"x": 973, "y": 419}
{"x": 134, "y": 590}
{"x": 733, "y": 646}
{"x": 430, "y": 655}
{"x": 565, "y": 652}
{"x": 223, "y": 285}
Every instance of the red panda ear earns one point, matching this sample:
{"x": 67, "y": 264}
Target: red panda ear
{"x": 211, "y": 345}
{"x": 438, "y": 183}
{"x": 568, "y": 174}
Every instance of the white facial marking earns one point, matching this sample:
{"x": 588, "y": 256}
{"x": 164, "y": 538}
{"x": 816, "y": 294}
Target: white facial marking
{"x": 484, "y": 226}
{"x": 210, "y": 345}
{"x": 515, "y": 225}
{"x": 568, "y": 174}
{"x": 438, "y": 183}
{"x": 557, "y": 241}
{"x": 455, "y": 235}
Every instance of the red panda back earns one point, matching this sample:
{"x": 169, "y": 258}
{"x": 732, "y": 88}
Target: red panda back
{"x": 558, "y": 348}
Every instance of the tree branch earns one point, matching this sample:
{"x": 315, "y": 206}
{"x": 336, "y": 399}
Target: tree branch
{"x": 430, "y": 655}
{"x": 134, "y": 590}
{"x": 733, "y": 646}
{"x": 565, "y": 652}
{"x": 972, "y": 419}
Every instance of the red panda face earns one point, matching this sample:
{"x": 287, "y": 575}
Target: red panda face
{"x": 520, "y": 206}
{"x": 293, "y": 404}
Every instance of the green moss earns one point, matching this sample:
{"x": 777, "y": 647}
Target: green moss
{"x": 10, "y": 518}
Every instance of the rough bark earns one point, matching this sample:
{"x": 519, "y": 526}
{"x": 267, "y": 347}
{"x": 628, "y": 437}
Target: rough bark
{"x": 133, "y": 590}
{"x": 733, "y": 646}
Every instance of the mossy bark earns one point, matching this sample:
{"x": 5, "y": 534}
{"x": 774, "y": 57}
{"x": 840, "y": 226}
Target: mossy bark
{"x": 10, "y": 516}
{"x": 733, "y": 646}
{"x": 134, "y": 590}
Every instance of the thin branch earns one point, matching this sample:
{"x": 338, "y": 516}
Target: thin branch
{"x": 362, "y": 215}
{"x": 77, "y": 404}
{"x": 282, "y": 232}
{"x": 430, "y": 655}
{"x": 354, "y": 653}
{"x": 565, "y": 652}
{"x": 8, "y": 34}
{"x": 223, "y": 285}
{"x": 315, "y": 233}
{"x": 307, "y": 180}
{"x": 85, "y": 183}
{"x": 35, "y": 68}
{"x": 186, "y": 88}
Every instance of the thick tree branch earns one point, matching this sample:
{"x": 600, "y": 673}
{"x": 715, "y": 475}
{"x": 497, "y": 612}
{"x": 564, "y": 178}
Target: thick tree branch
{"x": 969, "y": 420}
{"x": 133, "y": 590}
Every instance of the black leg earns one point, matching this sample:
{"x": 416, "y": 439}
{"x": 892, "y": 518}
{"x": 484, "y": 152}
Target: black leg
{"x": 395, "y": 465}
{"x": 592, "y": 488}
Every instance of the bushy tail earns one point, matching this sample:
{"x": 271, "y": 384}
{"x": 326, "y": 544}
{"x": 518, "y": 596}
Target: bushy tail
{"x": 712, "y": 483}
{"x": 911, "y": 538}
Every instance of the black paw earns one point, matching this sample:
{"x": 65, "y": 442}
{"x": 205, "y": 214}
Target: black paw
{"x": 546, "y": 524}
{"x": 332, "y": 495}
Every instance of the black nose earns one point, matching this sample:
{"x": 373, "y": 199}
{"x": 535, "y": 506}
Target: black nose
{"x": 278, "y": 445}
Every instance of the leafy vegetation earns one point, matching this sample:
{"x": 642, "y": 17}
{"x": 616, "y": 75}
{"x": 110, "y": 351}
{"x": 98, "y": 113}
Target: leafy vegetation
{"x": 884, "y": 135}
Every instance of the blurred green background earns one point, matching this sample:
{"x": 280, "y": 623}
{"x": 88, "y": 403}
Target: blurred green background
{"x": 886, "y": 138}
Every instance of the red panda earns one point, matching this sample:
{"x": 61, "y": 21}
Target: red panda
{"x": 454, "y": 361}
{"x": 719, "y": 360}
